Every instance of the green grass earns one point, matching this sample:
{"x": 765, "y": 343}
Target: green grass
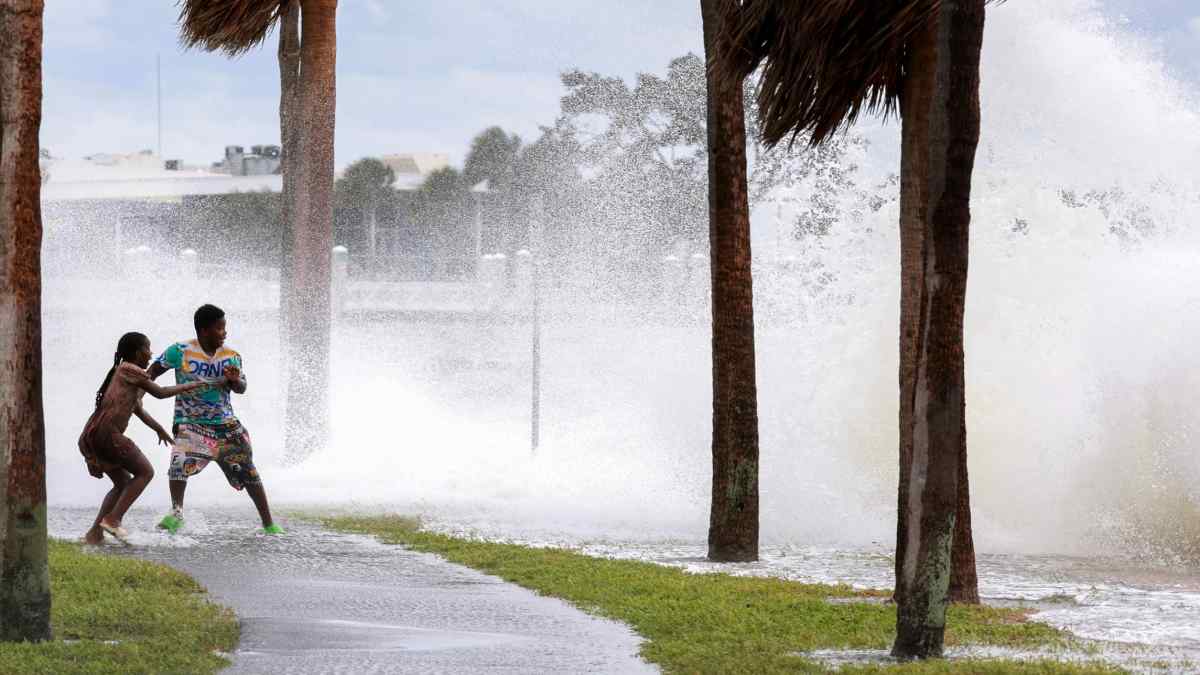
{"x": 157, "y": 616}
{"x": 717, "y": 623}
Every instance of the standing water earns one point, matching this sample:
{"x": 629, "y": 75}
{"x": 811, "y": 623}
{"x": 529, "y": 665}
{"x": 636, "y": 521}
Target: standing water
{"x": 1082, "y": 323}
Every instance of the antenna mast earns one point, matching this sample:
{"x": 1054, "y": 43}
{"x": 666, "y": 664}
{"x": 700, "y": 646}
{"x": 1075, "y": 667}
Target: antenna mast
{"x": 158, "y": 98}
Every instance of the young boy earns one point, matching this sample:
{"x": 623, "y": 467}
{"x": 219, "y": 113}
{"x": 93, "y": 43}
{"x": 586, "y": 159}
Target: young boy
{"x": 205, "y": 428}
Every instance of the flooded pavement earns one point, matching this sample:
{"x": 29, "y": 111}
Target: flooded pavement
{"x": 1138, "y": 612}
{"x": 316, "y": 601}
{"x": 1110, "y": 600}
{"x": 313, "y": 601}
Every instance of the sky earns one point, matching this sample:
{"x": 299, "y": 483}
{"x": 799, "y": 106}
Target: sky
{"x": 413, "y": 76}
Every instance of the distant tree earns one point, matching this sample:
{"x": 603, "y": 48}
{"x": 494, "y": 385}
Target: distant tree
{"x": 830, "y": 181}
{"x": 439, "y": 216}
{"x": 24, "y": 575}
{"x": 365, "y": 185}
{"x": 492, "y": 157}
{"x": 547, "y": 170}
{"x": 635, "y": 159}
{"x": 249, "y": 221}
{"x": 643, "y": 148}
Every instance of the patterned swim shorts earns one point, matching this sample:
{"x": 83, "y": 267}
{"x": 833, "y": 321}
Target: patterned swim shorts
{"x": 228, "y": 444}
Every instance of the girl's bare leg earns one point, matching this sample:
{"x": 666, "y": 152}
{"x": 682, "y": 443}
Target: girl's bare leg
{"x": 137, "y": 464}
{"x": 120, "y": 478}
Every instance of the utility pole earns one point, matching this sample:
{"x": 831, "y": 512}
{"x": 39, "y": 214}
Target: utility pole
{"x": 478, "y": 191}
{"x": 158, "y": 99}
{"x": 535, "y": 230}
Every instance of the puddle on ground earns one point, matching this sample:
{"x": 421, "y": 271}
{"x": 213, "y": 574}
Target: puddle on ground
{"x": 268, "y": 635}
{"x": 1131, "y": 658}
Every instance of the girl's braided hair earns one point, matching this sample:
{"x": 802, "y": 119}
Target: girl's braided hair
{"x": 127, "y": 348}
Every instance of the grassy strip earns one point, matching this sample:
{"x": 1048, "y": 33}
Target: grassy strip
{"x": 113, "y": 614}
{"x": 717, "y": 623}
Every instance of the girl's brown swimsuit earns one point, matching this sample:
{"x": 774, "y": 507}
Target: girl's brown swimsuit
{"x": 104, "y": 445}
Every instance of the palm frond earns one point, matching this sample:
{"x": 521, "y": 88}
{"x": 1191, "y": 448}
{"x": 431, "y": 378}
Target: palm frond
{"x": 230, "y": 26}
{"x": 823, "y": 61}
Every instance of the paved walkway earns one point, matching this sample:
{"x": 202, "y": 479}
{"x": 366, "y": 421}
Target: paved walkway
{"x": 321, "y": 602}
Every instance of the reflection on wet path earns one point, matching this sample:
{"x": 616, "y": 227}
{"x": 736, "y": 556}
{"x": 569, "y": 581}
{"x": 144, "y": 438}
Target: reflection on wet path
{"x": 313, "y": 601}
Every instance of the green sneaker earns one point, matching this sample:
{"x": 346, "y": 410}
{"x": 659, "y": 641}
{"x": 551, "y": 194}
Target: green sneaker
{"x": 272, "y": 529}
{"x": 171, "y": 523}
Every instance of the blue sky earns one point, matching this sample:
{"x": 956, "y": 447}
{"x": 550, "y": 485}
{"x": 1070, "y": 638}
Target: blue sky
{"x": 412, "y": 76}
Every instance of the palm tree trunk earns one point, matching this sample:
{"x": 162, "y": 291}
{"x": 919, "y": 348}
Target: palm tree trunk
{"x": 24, "y": 576}
{"x": 289, "y": 136}
{"x": 940, "y": 133}
{"x": 964, "y": 582}
{"x": 308, "y": 320}
{"x": 733, "y": 523}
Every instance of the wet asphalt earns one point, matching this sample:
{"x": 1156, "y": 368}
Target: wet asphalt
{"x": 314, "y": 601}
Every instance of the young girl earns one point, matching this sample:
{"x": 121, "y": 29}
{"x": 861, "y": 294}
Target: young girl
{"x": 103, "y": 442}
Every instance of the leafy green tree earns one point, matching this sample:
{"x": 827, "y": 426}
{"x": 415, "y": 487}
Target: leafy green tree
{"x": 492, "y": 157}
{"x": 251, "y": 222}
{"x": 365, "y": 185}
{"x": 440, "y": 217}
{"x": 547, "y": 173}
{"x": 643, "y": 149}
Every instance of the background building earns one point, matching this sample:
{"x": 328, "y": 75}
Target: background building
{"x": 100, "y": 208}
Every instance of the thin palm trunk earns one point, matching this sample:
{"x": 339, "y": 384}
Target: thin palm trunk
{"x": 733, "y": 523}
{"x": 940, "y": 111}
{"x": 307, "y": 322}
{"x": 289, "y": 135}
{"x": 24, "y": 576}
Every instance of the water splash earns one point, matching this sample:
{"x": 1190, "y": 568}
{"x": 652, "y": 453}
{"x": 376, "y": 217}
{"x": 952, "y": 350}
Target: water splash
{"x": 1081, "y": 323}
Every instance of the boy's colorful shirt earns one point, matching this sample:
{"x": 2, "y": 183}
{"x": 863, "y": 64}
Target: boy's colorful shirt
{"x": 208, "y": 405}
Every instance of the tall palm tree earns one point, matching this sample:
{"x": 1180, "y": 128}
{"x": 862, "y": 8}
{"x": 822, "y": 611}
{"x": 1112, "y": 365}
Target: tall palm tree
{"x": 307, "y": 103}
{"x": 733, "y": 518}
{"x": 823, "y": 64}
{"x": 24, "y": 576}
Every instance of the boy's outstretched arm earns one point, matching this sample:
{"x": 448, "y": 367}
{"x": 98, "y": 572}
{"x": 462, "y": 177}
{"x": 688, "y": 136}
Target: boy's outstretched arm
{"x": 163, "y": 436}
{"x": 158, "y": 391}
